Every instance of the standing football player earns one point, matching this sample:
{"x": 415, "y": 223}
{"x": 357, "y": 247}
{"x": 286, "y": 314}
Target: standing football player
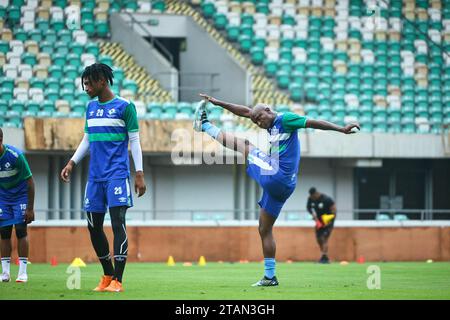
{"x": 111, "y": 123}
{"x": 275, "y": 172}
{"x": 16, "y": 207}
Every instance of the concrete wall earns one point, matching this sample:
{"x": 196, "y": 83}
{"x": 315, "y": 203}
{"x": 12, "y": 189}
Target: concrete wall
{"x": 156, "y": 244}
{"x": 144, "y": 54}
{"x": 203, "y": 55}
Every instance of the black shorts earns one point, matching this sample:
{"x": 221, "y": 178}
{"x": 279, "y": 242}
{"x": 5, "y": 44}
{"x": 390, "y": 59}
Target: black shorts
{"x": 325, "y": 232}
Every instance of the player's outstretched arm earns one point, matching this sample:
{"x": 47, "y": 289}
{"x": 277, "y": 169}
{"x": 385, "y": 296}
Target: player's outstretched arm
{"x": 237, "y": 109}
{"x": 325, "y": 125}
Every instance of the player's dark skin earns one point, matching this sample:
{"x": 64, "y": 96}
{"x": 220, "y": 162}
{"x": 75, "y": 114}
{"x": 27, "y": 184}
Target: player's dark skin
{"x": 322, "y": 241}
{"x": 102, "y": 90}
{"x": 263, "y": 116}
{"x": 22, "y": 244}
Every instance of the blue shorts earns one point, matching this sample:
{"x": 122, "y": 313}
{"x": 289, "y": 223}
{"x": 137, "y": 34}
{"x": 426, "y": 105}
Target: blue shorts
{"x": 99, "y": 196}
{"x": 276, "y": 190}
{"x": 13, "y": 212}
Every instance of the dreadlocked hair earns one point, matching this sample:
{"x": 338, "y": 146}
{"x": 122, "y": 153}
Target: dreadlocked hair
{"x": 97, "y": 71}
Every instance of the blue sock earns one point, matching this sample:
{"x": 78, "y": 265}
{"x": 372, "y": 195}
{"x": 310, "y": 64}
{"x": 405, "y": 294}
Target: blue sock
{"x": 210, "y": 129}
{"x": 269, "y": 267}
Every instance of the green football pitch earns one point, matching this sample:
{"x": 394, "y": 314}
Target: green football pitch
{"x": 226, "y": 281}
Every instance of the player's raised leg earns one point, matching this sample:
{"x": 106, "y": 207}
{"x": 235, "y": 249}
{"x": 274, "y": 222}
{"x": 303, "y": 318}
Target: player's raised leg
{"x": 228, "y": 140}
{"x": 5, "y": 249}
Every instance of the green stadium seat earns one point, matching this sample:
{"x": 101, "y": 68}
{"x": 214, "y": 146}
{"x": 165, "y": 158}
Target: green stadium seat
{"x": 67, "y": 94}
{"x": 74, "y": 60}
{"x": 208, "y": 9}
{"x": 262, "y": 8}
{"x": 88, "y": 26}
{"x": 3, "y": 13}
{"x": 382, "y": 217}
{"x": 14, "y": 14}
{"x": 158, "y": 5}
{"x": 232, "y": 32}
{"x": 170, "y": 110}
{"x": 247, "y": 19}
{"x": 71, "y": 71}
{"x": 76, "y": 48}
{"x": 90, "y": 4}
{"x": 78, "y": 106}
{"x": 271, "y": 67}
{"x": 119, "y": 74}
{"x": 51, "y": 94}
{"x": 92, "y": 48}
{"x": 220, "y": 21}
{"x": 35, "y": 35}
{"x": 101, "y": 28}
{"x": 155, "y": 109}
{"x": 67, "y": 83}
{"x": 4, "y": 106}
{"x": 57, "y": 25}
{"x": 296, "y": 91}
{"x": 86, "y": 13}
{"x": 48, "y": 105}
{"x": 59, "y": 59}
{"x": 4, "y": 47}
{"x": 17, "y": 106}
{"x": 185, "y": 108}
{"x": 62, "y": 47}
{"x": 283, "y": 79}
{"x": 6, "y": 94}
{"x": 81, "y": 96}
{"x": 46, "y": 47}
{"x": 106, "y": 60}
{"x": 246, "y": 29}
{"x": 33, "y": 106}
{"x": 20, "y": 34}
{"x": 130, "y": 85}
{"x": 42, "y": 24}
{"x": 53, "y": 83}
{"x": 262, "y": 42}
{"x": 400, "y": 217}
{"x": 215, "y": 111}
{"x": 7, "y": 83}
{"x": 245, "y": 44}
{"x": 257, "y": 55}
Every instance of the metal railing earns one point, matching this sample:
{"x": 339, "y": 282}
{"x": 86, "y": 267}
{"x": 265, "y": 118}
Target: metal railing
{"x": 250, "y": 215}
{"x": 153, "y": 41}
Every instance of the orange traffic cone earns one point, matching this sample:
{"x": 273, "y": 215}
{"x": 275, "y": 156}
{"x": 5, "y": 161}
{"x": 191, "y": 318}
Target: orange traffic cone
{"x": 53, "y": 261}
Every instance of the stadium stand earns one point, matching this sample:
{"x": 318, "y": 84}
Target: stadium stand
{"x": 386, "y": 66}
{"x": 43, "y": 52}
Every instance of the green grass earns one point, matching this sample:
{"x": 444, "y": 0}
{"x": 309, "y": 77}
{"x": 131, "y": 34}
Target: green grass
{"x": 418, "y": 280}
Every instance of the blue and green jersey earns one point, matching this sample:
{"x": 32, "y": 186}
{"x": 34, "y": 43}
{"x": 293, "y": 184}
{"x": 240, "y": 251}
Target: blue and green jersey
{"x": 14, "y": 172}
{"x": 284, "y": 143}
{"x": 107, "y": 125}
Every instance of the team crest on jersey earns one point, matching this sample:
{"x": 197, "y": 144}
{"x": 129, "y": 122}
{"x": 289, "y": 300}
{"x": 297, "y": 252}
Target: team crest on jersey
{"x": 91, "y": 113}
{"x": 7, "y": 166}
{"x": 111, "y": 112}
